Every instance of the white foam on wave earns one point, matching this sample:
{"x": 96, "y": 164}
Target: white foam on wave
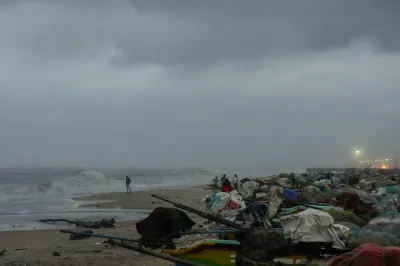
{"x": 53, "y": 195}
{"x": 86, "y": 182}
{"x": 22, "y": 204}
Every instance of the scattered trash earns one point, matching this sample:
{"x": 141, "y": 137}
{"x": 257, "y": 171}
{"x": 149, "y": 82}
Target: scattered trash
{"x": 291, "y": 218}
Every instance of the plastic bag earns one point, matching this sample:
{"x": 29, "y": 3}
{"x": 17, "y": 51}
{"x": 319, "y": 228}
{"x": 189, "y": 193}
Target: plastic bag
{"x": 392, "y": 190}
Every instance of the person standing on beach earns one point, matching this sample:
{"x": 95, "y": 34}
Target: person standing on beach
{"x": 128, "y": 184}
{"x": 215, "y": 181}
{"x": 223, "y": 180}
{"x": 235, "y": 182}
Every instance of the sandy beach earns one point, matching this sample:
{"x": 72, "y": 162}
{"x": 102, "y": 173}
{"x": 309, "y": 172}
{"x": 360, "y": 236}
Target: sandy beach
{"x": 37, "y": 247}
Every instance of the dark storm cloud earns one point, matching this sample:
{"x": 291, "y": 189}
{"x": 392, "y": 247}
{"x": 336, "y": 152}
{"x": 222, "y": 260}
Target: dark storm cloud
{"x": 203, "y": 33}
{"x": 226, "y": 30}
{"x": 198, "y": 83}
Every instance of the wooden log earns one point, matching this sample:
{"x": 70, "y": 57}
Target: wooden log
{"x": 152, "y": 253}
{"x": 90, "y": 224}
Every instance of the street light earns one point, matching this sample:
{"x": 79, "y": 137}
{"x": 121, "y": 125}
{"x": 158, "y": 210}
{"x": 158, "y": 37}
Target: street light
{"x": 358, "y": 152}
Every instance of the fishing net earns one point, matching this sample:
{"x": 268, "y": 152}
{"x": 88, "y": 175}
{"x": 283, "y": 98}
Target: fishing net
{"x": 386, "y": 218}
{"x": 260, "y": 245}
{"x": 312, "y": 194}
{"x": 364, "y": 196}
{"x": 388, "y": 202}
{"x": 382, "y": 235}
{"x": 346, "y": 216}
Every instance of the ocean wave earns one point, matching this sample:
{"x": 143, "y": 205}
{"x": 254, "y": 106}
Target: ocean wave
{"x": 83, "y": 183}
{"x": 89, "y": 182}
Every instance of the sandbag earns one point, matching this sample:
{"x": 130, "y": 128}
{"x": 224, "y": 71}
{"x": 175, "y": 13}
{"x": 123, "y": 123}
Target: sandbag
{"x": 218, "y": 202}
{"x": 237, "y": 199}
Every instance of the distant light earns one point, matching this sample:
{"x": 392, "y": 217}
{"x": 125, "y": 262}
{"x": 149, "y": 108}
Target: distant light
{"x": 387, "y": 159}
{"x": 358, "y": 152}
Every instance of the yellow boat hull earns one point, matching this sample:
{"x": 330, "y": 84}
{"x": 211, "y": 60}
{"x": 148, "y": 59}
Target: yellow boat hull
{"x": 215, "y": 252}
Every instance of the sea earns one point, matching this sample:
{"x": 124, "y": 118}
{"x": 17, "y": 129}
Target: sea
{"x": 33, "y": 193}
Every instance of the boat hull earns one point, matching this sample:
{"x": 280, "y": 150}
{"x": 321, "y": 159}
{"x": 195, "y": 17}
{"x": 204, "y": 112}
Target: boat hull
{"x": 215, "y": 252}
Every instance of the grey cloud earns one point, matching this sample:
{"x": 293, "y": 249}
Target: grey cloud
{"x": 276, "y": 84}
{"x": 237, "y": 29}
{"x": 201, "y": 33}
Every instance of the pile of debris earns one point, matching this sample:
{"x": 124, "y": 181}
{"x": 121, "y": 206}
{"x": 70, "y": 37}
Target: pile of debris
{"x": 350, "y": 218}
{"x": 323, "y": 212}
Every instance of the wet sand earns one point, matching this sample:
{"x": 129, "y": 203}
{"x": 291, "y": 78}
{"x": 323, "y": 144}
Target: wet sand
{"x": 37, "y": 247}
{"x": 142, "y": 200}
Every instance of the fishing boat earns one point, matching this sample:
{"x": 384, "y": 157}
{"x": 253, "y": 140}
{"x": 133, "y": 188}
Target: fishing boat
{"x": 212, "y": 252}
{"x": 216, "y": 252}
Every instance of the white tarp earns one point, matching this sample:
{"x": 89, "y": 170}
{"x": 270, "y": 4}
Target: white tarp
{"x": 274, "y": 199}
{"x": 248, "y": 188}
{"x": 313, "y": 226}
{"x": 284, "y": 182}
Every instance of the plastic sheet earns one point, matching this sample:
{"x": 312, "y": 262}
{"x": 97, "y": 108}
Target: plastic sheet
{"x": 248, "y": 188}
{"x": 392, "y": 190}
{"x": 289, "y": 194}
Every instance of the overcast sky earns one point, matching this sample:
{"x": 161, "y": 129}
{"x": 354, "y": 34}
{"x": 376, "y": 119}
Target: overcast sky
{"x": 173, "y": 83}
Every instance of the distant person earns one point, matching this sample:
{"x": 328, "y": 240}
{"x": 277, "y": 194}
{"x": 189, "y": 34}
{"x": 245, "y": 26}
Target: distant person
{"x": 215, "y": 181}
{"x": 292, "y": 179}
{"x": 128, "y": 184}
{"x": 235, "y": 182}
{"x": 223, "y": 180}
{"x": 226, "y": 186}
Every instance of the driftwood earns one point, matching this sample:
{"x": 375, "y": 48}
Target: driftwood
{"x": 152, "y": 253}
{"x": 104, "y": 223}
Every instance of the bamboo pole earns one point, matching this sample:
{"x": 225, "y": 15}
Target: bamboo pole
{"x": 152, "y": 253}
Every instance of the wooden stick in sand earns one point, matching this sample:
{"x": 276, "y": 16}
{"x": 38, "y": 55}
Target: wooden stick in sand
{"x": 152, "y": 253}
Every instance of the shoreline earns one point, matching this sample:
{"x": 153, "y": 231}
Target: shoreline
{"x": 36, "y": 247}
{"x": 119, "y": 205}
{"x": 142, "y": 200}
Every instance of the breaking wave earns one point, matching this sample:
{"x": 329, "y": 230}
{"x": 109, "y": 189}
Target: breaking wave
{"x": 84, "y": 183}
